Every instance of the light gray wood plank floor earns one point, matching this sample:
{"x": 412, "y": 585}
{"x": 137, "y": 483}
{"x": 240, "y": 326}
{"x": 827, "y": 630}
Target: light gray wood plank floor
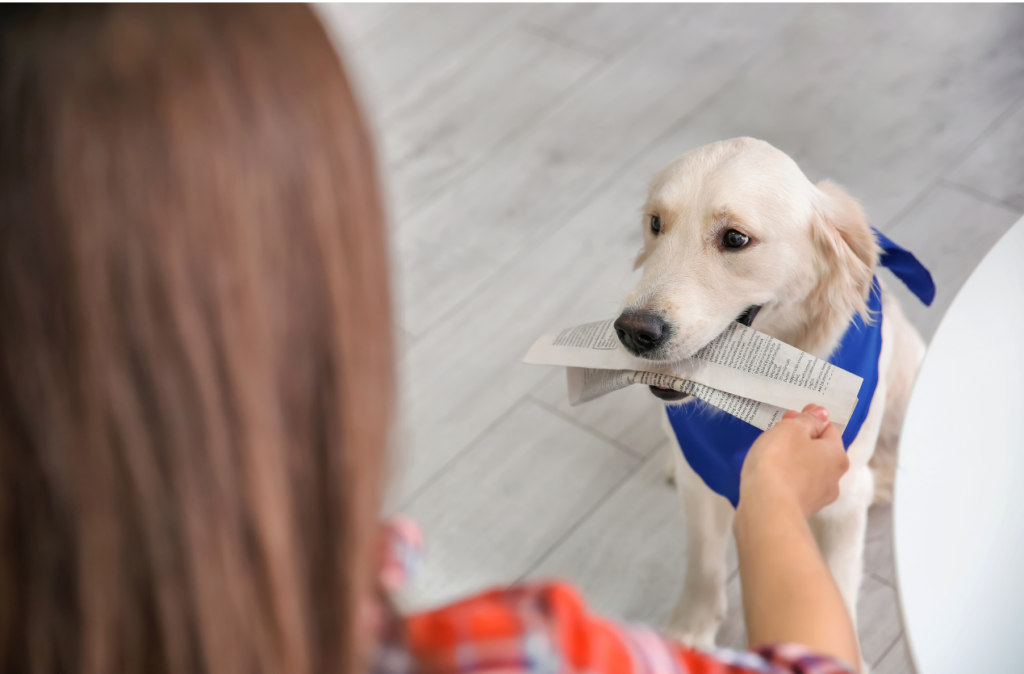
{"x": 515, "y": 145}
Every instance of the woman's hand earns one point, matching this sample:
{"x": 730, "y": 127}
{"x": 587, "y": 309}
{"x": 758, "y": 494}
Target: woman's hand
{"x": 801, "y": 459}
{"x": 791, "y": 472}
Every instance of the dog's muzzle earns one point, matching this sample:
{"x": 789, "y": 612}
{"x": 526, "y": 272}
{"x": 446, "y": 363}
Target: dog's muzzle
{"x": 672, "y": 395}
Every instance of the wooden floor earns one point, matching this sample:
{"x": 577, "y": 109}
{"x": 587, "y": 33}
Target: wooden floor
{"x": 516, "y": 143}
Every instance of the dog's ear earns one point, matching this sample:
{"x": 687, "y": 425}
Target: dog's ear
{"x": 845, "y": 214}
{"x": 848, "y": 248}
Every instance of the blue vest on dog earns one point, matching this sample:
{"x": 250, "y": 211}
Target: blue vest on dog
{"x": 715, "y": 444}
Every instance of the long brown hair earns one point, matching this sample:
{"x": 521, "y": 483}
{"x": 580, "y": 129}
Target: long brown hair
{"x": 195, "y": 349}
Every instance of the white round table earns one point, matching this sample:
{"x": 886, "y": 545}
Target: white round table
{"x": 959, "y": 495}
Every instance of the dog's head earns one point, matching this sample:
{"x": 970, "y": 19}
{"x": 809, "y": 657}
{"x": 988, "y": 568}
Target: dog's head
{"x": 736, "y": 225}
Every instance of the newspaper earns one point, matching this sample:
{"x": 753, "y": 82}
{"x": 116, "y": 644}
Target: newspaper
{"x": 587, "y": 384}
{"x": 742, "y": 371}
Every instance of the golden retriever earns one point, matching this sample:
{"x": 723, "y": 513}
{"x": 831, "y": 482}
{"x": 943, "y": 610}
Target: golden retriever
{"x": 729, "y": 228}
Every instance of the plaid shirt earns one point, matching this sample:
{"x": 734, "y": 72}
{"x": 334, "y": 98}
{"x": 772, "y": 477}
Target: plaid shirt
{"x": 546, "y": 629}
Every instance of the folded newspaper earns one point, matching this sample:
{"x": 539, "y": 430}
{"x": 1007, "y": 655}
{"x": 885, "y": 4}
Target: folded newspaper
{"x": 743, "y": 372}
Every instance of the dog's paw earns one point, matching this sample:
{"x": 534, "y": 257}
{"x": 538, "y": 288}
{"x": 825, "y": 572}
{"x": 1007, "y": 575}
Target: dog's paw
{"x": 696, "y": 624}
{"x": 698, "y": 615}
{"x": 702, "y": 637}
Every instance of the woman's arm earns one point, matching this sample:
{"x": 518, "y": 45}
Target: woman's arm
{"x": 789, "y": 595}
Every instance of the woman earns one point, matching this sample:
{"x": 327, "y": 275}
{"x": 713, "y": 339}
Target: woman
{"x": 196, "y": 373}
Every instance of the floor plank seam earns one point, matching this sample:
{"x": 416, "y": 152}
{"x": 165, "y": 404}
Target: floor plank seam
{"x": 449, "y": 79}
{"x": 562, "y": 40}
{"x": 371, "y": 34}
{"x": 880, "y": 579}
{"x": 982, "y": 196}
{"x": 458, "y": 456}
{"x": 878, "y": 660}
{"x": 992, "y": 127}
{"x": 634, "y": 45}
{"x": 584, "y": 427}
{"x": 580, "y": 522}
{"x": 602, "y": 185}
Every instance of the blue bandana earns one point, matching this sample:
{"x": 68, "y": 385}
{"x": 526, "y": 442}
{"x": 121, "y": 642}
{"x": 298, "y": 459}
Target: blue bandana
{"x": 715, "y": 444}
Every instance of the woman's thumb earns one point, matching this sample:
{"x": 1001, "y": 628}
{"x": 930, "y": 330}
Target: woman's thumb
{"x": 820, "y": 416}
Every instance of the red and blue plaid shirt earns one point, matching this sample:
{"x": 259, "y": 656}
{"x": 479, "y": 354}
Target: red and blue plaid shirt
{"x": 546, "y": 629}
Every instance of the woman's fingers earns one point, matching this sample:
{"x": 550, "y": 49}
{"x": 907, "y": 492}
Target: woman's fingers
{"x": 817, "y": 411}
{"x": 831, "y": 432}
{"x": 813, "y": 419}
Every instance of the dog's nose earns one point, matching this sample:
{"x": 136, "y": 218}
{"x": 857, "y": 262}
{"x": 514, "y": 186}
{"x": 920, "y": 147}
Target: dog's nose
{"x": 640, "y": 332}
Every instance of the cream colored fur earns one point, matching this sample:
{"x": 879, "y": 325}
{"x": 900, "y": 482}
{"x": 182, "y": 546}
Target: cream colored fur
{"x": 810, "y": 265}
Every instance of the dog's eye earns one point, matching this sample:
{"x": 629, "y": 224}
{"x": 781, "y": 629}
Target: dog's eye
{"x": 655, "y": 224}
{"x": 735, "y": 240}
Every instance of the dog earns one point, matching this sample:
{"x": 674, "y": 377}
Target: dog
{"x": 734, "y": 230}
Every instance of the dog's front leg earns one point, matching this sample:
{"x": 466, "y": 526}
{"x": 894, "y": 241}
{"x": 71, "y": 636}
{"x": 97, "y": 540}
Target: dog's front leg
{"x": 840, "y": 528}
{"x": 703, "y": 603}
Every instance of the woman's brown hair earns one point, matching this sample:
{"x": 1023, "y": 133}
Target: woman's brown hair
{"x": 195, "y": 349}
